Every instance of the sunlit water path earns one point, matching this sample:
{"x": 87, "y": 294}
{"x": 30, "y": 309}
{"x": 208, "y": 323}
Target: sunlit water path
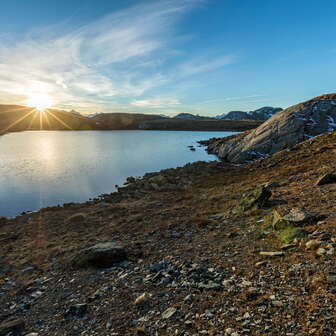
{"x": 39, "y": 169}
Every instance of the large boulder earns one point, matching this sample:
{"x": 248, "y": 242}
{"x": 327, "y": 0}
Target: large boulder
{"x": 281, "y": 218}
{"x": 285, "y": 129}
{"x": 100, "y": 255}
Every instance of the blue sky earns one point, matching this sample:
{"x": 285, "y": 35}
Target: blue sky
{"x": 169, "y": 56}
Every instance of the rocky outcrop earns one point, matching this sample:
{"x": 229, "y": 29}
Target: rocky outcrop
{"x": 284, "y": 130}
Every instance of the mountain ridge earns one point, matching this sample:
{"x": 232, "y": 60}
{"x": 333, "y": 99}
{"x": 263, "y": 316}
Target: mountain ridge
{"x": 14, "y": 118}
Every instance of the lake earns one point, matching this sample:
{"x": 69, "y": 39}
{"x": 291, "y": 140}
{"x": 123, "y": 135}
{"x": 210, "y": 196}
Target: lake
{"x": 44, "y": 168}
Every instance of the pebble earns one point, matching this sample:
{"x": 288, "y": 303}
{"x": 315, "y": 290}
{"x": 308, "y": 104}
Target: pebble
{"x": 321, "y": 251}
{"x": 168, "y": 313}
{"x": 142, "y": 298}
{"x": 313, "y": 244}
{"x": 261, "y": 263}
{"x": 272, "y": 254}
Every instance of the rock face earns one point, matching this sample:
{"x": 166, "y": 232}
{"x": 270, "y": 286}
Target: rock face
{"x": 285, "y": 129}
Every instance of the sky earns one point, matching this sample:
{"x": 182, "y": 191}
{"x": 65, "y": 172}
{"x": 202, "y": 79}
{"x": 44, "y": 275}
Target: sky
{"x": 205, "y": 57}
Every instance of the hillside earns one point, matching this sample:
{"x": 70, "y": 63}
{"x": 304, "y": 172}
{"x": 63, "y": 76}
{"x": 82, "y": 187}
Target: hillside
{"x": 285, "y": 129}
{"x": 15, "y": 118}
{"x": 200, "y": 251}
{"x": 18, "y": 118}
{"x": 199, "y": 125}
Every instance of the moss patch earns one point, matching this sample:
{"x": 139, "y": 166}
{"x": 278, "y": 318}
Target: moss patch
{"x": 290, "y": 233}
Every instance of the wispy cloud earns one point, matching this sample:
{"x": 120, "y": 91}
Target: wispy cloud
{"x": 156, "y": 102}
{"x": 103, "y": 63}
{"x": 195, "y": 67}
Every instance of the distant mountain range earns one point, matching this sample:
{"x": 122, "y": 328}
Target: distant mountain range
{"x": 262, "y": 113}
{"x": 14, "y": 118}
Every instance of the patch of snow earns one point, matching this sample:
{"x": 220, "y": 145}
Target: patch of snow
{"x": 259, "y": 154}
{"x": 331, "y": 121}
{"x": 312, "y": 122}
{"x": 300, "y": 117}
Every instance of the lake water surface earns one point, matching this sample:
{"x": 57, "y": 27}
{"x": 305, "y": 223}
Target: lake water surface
{"x": 44, "y": 168}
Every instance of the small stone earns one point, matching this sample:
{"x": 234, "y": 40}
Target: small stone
{"x": 209, "y": 286}
{"x": 321, "y": 251}
{"x": 261, "y": 263}
{"x": 313, "y": 244}
{"x": 76, "y": 311}
{"x": 277, "y": 303}
{"x": 227, "y": 283}
{"x": 28, "y": 270}
{"x": 331, "y": 278}
{"x": 288, "y": 247}
{"x": 272, "y": 254}
{"x": 229, "y": 331}
{"x": 36, "y": 294}
{"x": 330, "y": 251}
{"x": 188, "y": 298}
{"x": 168, "y": 313}
{"x": 142, "y": 298}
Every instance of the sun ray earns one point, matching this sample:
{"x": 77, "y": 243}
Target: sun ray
{"x": 58, "y": 119}
{"x": 32, "y": 119}
{"x": 41, "y": 120}
{"x": 47, "y": 118}
{"x": 16, "y": 110}
{"x": 17, "y": 121}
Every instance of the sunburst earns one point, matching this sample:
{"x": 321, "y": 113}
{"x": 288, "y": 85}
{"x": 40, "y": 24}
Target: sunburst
{"x": 39, "y": 101}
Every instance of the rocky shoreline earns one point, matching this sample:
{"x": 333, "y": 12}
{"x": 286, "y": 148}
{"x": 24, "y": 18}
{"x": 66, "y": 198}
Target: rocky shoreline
{"x": 205, "y": 249}
{"x": 284, "y": 130}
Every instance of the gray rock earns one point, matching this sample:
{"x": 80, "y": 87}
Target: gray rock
{"x": 100, "y": 255}
{"x": 76, "y": 311}
{"x": 272, "y": 254}
{"x": 168, "y": 313}
{"x": 295, "y": 217}
{"x": 12, "y": 327}
{"x": 285, "y": 129}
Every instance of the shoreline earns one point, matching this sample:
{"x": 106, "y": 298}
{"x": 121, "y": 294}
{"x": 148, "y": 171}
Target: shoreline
{"x": 193, "y": 252}
{"x": 120, "y": 185}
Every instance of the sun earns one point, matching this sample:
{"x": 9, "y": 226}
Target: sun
{"x": 39, "y": 101}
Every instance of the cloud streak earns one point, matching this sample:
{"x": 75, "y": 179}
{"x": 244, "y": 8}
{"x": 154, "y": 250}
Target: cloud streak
{"x": 156, "y": 102}
{"x": 106, "y": 63}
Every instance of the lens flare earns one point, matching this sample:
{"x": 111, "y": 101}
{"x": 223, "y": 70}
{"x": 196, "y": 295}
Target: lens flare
{"x": 40, "y": 102}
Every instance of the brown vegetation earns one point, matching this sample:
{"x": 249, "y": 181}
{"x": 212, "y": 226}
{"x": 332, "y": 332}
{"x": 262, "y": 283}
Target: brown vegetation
{"x": 290, "y": 293}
